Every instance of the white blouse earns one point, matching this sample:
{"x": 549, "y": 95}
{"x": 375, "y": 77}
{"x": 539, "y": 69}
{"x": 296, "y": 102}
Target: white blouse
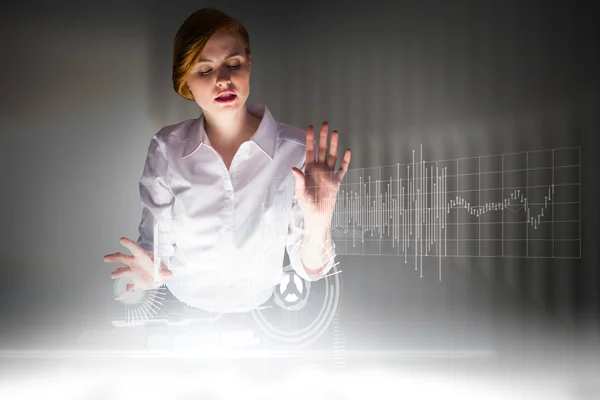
{"x": 223, "y": 233}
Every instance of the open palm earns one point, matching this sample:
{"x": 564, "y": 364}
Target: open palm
{"x": 317, "y": 187}
{"x": 139, "y": 266}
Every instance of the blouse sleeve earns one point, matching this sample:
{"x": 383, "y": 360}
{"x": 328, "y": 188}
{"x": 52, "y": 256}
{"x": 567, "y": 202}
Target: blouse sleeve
{"x": 157, "y": 202}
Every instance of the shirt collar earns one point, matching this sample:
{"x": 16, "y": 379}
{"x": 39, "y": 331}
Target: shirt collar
{"x": 265, "y": 136}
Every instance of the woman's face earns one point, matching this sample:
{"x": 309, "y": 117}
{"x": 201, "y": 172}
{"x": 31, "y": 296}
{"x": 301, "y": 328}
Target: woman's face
{"x": 223, "y": 65}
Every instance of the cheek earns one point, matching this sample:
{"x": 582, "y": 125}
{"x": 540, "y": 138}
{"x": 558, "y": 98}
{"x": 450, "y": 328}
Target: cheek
{"x": 242, "y": 80}
{"x": 198, "y": 88}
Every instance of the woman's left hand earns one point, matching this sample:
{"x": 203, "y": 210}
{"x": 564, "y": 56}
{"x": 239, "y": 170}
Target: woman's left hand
{"x": 317, "y": 187}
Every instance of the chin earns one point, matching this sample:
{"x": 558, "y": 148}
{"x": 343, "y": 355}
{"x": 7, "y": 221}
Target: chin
{"x": 228, "y": 108}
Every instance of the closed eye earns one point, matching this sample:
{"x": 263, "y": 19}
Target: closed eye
{"x": 205, "y": 73}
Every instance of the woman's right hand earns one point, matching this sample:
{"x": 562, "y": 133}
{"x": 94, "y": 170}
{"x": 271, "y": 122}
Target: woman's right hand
{"x": 139, "y": 266}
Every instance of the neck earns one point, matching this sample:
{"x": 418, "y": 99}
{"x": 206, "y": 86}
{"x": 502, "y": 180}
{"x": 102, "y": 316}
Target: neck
{"x": 231, "y": 128}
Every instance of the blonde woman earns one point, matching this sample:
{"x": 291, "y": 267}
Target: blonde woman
{"x": 216, "y": 179}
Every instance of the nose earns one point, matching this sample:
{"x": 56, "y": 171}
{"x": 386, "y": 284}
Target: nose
{"x": 223, "y": 78}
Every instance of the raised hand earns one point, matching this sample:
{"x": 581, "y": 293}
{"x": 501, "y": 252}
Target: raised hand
{"x": 317, "y": 188}
{"x": 139, "y": 266}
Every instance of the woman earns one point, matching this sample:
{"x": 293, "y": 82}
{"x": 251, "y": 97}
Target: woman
{"x": 216, "y": 183}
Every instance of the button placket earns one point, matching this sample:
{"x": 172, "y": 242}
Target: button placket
{"x": 227, "y": 213}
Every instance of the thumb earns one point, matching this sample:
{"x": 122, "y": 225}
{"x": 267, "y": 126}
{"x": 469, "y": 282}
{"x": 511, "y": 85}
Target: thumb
{"x": 165, "y": 274}
{"x": 299, "y": 179}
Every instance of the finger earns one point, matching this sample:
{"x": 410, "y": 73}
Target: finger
{"x": 128, "y": 288}
{"x": 165, "y": 274}
{"x": 333, "y": 149}
{"x": 323, "y": 142}
{"x": 310, "y": 146}
{"x": 121, "y": 273}
{"x": 135, "y": 248}
{"x": 344, "y": 167}
{"x": 118, "y": 258}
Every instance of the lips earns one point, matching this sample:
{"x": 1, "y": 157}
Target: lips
{"x": 226, "y": 95}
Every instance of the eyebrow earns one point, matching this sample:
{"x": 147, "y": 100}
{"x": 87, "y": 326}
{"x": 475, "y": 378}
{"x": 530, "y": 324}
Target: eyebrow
{"x": 202, "y": 60}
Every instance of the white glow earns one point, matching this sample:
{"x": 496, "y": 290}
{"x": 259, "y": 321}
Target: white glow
{"x": 85, "y": 381}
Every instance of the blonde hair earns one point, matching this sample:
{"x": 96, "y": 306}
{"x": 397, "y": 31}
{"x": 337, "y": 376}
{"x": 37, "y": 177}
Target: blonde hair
{"x": 191, "y": 38}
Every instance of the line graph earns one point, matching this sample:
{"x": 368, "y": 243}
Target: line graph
{"x": 508, "y": 205}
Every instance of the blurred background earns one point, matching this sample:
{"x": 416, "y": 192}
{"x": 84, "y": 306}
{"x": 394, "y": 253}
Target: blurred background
{"x": 86, "y": 85}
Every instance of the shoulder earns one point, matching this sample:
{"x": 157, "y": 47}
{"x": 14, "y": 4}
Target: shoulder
{"x": 173, "y": 138}
{"x": 291, "y": 135}
{"x": 175, "y": 132}
{"x": 291, "y": 145}
{"x": 170, "y": 140}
